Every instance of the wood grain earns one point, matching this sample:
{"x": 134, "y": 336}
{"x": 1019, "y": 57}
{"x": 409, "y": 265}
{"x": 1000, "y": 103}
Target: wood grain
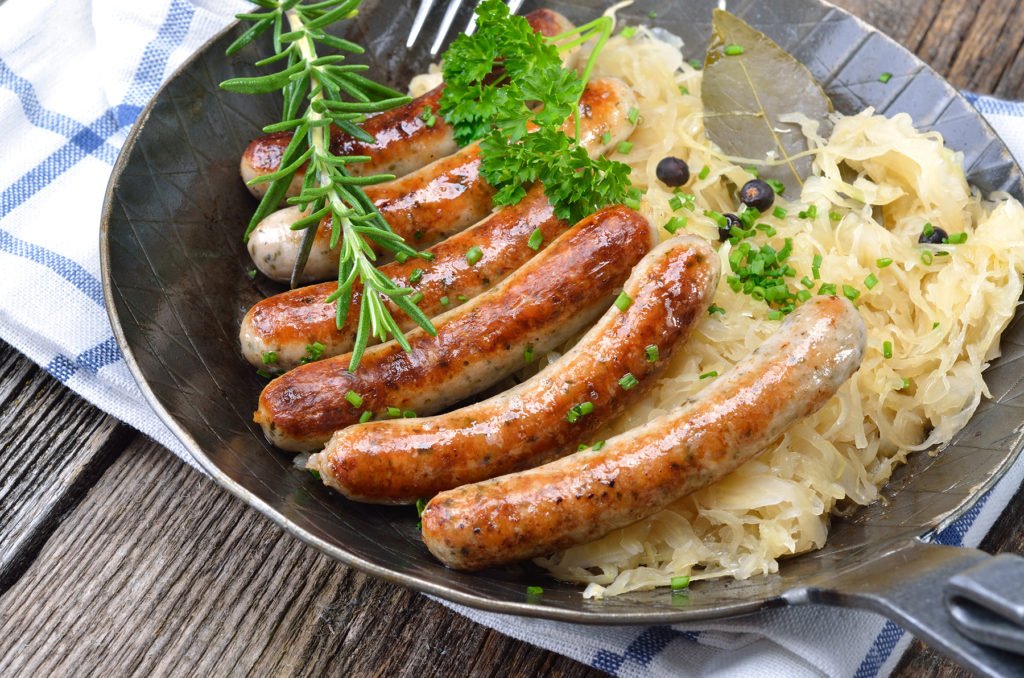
{"x": 55, "y": 446}
{"x": 119, "y": 559}
{"x": 158, "y": 571}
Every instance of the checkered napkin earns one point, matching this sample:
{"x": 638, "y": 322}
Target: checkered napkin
{"x": 74, "y": 76}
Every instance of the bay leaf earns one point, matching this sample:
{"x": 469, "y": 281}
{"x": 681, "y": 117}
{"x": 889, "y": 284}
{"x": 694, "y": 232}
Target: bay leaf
{"x": 745, "y": 95}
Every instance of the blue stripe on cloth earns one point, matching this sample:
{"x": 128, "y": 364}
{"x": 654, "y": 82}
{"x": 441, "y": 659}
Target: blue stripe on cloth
{"x": 644, "y": 648}
{"x": 92, "y": 360}
{"x": 89, "y": 138}
{"x": 67, "y": 127}
{"x": 880, "y": 650}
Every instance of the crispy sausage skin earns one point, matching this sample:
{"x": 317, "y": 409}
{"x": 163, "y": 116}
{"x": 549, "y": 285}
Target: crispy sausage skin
{"x": 400, "y": 460}
{"x": 435, "y": 201}
{"x": 545, "y": 302}
{"x": 285, "y": 324}
{"x": 404, "y": 141}
{"x": 587, "y": 495}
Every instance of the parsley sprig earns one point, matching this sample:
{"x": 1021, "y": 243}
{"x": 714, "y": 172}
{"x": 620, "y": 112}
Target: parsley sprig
{"x": 506, "y": 86}
{"x": 320, "y": 91}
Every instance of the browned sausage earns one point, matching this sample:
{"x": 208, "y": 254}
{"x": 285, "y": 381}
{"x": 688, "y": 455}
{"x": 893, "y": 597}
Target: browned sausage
{"x": 404, "y": 141}
{"x": 401, "y": 460}
{"x": 584, "y": 496}
{"x": 545, "y": 302}
{"x": 285, "y": 324}
{"x": 435, "y": 201}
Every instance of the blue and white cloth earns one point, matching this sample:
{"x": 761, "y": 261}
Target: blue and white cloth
{"x": 74, "y": 76}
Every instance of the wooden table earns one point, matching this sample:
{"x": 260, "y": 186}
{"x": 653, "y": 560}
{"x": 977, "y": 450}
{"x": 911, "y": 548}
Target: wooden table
{"x": 118, "y": 558}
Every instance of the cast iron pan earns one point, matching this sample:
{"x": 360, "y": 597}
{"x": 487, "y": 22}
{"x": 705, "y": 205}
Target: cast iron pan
{"x": 174, "y": 273}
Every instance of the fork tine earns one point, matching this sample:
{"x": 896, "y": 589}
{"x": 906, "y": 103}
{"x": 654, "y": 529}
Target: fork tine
{"x": 417, "y": 23}
{"x": 446, "y": 24}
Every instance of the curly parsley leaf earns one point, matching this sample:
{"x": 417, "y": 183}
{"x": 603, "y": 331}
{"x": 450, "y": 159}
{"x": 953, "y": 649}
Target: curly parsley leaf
{"x": 506, "y": 86}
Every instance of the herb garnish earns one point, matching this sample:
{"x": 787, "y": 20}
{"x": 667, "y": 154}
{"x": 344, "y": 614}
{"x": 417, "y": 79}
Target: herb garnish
{"x": 320, "y": 91}
{"x": 519, "y": 113}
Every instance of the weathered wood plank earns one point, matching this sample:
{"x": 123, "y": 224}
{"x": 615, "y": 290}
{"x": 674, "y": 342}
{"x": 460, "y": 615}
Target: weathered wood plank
{"x": 55, "y": 445}
{"x": 160, "y": 571}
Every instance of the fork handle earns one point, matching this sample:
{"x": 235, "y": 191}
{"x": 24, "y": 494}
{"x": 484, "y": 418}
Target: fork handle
{"x": 962, "y": 602}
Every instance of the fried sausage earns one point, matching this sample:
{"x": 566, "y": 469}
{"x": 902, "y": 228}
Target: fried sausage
{"x": 282, "y": 326}
{"x": 405, "y": 138}
{"x": 584, "y": 496}
{"x": 548, "y": 300}
{"x": 438, "y": 200}
{"x": 401, "y": 460}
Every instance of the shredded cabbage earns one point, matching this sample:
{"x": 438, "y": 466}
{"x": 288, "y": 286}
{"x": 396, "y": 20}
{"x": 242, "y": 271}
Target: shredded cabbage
{"x": 884, "y": 180}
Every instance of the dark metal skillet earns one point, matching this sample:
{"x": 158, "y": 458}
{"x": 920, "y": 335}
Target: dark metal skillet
{"x": 174, "y": 273}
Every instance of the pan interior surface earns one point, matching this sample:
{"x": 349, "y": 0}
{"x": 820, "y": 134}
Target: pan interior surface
{"x": 175, "y": 272}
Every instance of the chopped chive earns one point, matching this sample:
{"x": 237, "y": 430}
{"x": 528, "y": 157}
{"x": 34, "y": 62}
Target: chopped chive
{"x": 812, "y": 211}
{"x": 365, "y": 417}
{"x": 834, "y": 216}
{"x": 850, "y": 293}
{"x": 577, "y": 411}
{"x": 628, "y": 381}
{"x": 870, "y": 281}
{"x": 676, "y": 203}
{"x": 956, "y": 238}
{"x": 269, "y": 358}
{"x": 883, "y": 262}
{"x": 628, "y": 32}
{"x": 733, "y": 50}
{"x": 807, "y": 282}
{"x": 528, "y": 354}
{"x": 408, "y": 414}
{"x": 708, "y": 375}
{"x": 684, "y": 90}
{"x": 751, "y": 171}
{"x": 774, "y": 315}
{"x": 779, "y": 213}
{"x": 926, "y": 257}
{"x": 652, "y": 15}
{"x": 777, "y": 186}
{"x": 704, "y": 172}
{"x": 632, "y": 203}
{"x": 928, "y": 230}
{"x": 906, "y": 384}
{"x": 474, "y": 254}
{"x": 444, "y": 301}
{"x": 679, "y": 583}
{"x": 767, "y": 229}
{"x": 428, "y": 117}
{"x": 536, "y": 239}
{"x": 401, "y": 257}
{"x": 623, "y": 301}
{"x": 265, "y": 374}
{"x": 696, "y": 63}
{"x": 251, "y": 273}
{"x": 674, "y": 224}
{"x": 606, "y": 138}
{"x": 827, "y": 288}
{"x": 597, "y": 446}
{"x": 313, "y": 352}
{"x": 416, "y": 274}
{"x": 354, "y": 399}
{"x": 885, "y": 78}
{"x": 633, "y": 115}
{"x": 581, "y": 447}
{"x": 316, "y": 474}
{"x": 652, "y": 353}
{"x": 462, "y": 298}
{"x": 712, "y": 310}
{"x": 416, "y": 297}
{"x": 886, "y": 349}
{"x": 420, "y": 505}
{"x": 803, "y": 295}
{"x": 624, "y": 147}
{"x": 534, "y": 591}
{"x": 935, "y": 325}
{"x": 394, "y": 412}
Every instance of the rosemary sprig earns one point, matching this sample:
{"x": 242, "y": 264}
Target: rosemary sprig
{"x": 319, "y": 91}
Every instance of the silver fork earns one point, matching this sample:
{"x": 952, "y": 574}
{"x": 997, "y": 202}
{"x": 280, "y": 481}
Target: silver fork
{"x": 446, "y": 21}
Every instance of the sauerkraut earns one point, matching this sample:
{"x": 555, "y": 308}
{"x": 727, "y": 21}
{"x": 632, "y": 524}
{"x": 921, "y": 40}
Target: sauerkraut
{"x": 877, "y": 182}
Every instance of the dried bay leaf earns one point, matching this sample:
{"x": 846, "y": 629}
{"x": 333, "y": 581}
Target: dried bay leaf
{"x": 745, "y": 94}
